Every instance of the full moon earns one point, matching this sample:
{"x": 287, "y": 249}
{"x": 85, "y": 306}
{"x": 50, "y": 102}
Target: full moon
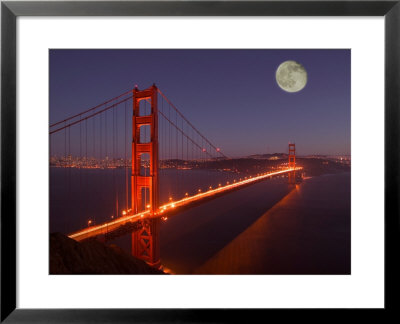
{"x": 291, "y": 76}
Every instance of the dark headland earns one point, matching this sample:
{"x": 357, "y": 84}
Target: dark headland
{"x": 68, "y": 256}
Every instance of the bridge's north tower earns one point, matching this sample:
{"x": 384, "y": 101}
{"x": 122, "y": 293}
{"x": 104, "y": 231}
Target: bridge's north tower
{"x": 292, "y": 163}
{"x": 145, "y": 242}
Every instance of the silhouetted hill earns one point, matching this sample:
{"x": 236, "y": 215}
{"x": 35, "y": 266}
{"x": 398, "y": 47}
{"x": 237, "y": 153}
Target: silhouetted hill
{"x": 68, "y": 256}
{"x": 269, "y": 156}
{"x": 253, "y": 164}
{"x": 316, "y": 167}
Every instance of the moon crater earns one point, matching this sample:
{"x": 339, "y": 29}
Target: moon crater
{"x": 291, "y": 76}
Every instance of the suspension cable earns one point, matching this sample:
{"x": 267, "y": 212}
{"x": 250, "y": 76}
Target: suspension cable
{"x": 91, "y": 109}
{"x": 176, "y": 109}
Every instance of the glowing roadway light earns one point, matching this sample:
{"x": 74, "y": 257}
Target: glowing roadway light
{"x": 200, "y": 195}
{"x": 147, "y": 206}
{"x": 123, "y": 212}
{"x": 102, "y": 228}
{"x": 105, "y": 227}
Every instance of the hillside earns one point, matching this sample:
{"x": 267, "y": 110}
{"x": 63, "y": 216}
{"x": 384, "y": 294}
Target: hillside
{"x": 92, "y": 257}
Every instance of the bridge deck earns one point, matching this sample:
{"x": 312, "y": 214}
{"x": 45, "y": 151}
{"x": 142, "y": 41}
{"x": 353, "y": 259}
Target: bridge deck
{"x": 169, "y": 208}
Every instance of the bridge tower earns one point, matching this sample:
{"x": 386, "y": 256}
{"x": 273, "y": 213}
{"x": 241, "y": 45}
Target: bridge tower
{"x": 145, "y": 242}
{"x": 292, "y": 163}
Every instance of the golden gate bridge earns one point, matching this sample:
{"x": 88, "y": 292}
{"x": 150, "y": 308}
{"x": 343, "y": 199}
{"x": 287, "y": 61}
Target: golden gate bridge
{"x": 147, "y": 127}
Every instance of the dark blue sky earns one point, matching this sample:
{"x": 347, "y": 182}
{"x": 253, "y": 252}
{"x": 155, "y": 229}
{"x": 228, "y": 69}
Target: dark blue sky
{"x": 231, "y": 96}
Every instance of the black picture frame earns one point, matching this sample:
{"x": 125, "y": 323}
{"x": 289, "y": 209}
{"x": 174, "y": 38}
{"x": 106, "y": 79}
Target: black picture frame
{"x": 10, "y": 10}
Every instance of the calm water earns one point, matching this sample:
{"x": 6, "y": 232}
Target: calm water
{"x": 269, "y": 227}
{"x": 79, "y": 195}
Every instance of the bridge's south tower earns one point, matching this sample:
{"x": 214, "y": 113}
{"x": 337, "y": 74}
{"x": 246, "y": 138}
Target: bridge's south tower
{"x": 292, "y": 163}
{"x": 145, "y": 242}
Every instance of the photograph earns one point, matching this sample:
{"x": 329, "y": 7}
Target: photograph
{"x": 200, "y": 161}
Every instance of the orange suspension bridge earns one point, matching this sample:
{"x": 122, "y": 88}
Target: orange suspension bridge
{"x": 143, "y": 132}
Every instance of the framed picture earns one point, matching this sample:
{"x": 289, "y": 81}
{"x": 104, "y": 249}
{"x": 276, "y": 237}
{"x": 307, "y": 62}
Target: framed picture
{"x": 248, "y": 150}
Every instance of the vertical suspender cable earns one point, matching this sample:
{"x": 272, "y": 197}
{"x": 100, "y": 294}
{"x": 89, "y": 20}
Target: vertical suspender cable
{"x": 105, "y": 138}
{"x": 101, "y": 139}
{"x": 86, "y": 171}
{"x": 125, "y": 165}
{"x": 94, "y": 147}
{"x": 113, "y": 157}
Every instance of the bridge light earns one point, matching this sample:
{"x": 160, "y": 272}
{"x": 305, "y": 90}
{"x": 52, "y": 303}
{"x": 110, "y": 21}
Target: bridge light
{"x": 173, "y": 205}
{"x": 204, "y": 149}
{"x": 210, "y": 187}
{"x": 170, "y": 198}
{"x": 186, "y": 194}
{"x": 199, "y": 190}
{"x": 218, "y": 149}
{"x": 112, "y": 216}
{"x": 89, "y": 222}
{"x": 124, "y": 212}
{"x": 219, "y": 185}
{"x": 147, "y": 206}
{"x": 227, "y": 182}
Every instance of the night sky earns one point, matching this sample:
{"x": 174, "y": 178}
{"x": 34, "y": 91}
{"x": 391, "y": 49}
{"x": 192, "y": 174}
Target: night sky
{"x": 231, "y": 96}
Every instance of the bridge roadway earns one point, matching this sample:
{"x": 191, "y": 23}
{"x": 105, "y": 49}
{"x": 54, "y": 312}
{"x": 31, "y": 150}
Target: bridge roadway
{"x": 170, "y": 208}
